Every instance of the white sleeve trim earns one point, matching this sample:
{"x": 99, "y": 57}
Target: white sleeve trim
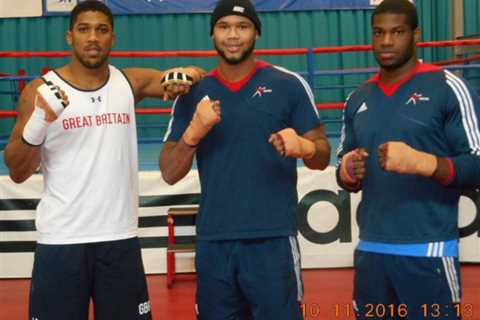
{"x": 304, "y": 84}
{"x": 170, "y": 122}
{"x": 467, "y": 109}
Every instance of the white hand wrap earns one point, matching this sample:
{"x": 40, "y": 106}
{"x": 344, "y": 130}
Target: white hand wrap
{"x": 51, "y": 94}
{"x": 36, "y": 128}
{"x": 176, "y": 77}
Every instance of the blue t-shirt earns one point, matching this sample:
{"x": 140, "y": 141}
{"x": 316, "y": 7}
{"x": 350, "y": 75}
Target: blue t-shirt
{"x": 248, "y": 189}
{"x": 433, "y": 111}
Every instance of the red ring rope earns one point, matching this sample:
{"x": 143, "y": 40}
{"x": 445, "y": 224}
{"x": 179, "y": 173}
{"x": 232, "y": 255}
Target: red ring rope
{"x": 211, "y": 53}
{"x": 151, "y": 111}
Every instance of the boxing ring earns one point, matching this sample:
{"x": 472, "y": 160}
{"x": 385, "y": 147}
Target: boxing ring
{"x": 326, "y": 215}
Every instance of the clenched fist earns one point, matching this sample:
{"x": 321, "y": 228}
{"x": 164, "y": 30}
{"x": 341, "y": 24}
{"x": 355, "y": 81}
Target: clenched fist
{"x": 399, "y": 157}
{"x": 207, "y": 114}
{"x": 289, "y": 144}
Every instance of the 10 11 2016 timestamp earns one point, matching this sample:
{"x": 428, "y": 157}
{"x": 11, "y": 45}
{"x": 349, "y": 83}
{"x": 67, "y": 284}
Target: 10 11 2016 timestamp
{"x": 436, "y": 310}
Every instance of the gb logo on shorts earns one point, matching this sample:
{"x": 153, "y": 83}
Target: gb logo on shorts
{"x": 144, "y": 308}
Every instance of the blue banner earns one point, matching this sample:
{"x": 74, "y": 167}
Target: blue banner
{"x": 188, "y": 6}
{"x": 120, "y": 7}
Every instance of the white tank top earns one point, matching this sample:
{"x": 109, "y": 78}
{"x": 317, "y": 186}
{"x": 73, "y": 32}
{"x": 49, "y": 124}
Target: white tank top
{"x": 90, "y": 166}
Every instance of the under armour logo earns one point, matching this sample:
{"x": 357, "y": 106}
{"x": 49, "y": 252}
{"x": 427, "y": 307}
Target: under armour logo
{"x": 260, "y": 91}
{"x": 417, "y": 97}
{"x": 99, "y": 99}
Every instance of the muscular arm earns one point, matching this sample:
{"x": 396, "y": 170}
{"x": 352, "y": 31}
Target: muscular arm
{"x": 321, "y": 159}
{"x": 22, "y": 159}
{"x": 145, "y": 82}
{"x": 176, "y": 160}
{"x": 148, "y": 82}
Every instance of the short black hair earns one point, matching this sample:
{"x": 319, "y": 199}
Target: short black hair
{"x": 398, "y": 7}
{"x": 90, "y": 5}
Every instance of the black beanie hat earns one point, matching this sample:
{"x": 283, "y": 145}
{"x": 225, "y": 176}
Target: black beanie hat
{"x": 235, "y": 7}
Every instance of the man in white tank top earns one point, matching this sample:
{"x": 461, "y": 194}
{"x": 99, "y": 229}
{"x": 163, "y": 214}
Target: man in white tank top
{"x": 78, "y": 124}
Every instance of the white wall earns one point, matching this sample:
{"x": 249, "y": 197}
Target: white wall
{"x": 322, "y": 217}
{"x": 20, "y": 8}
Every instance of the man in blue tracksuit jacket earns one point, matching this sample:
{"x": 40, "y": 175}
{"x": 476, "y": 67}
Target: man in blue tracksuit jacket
{"x": 246, "y": 123}
{"x": 411, "y": 142}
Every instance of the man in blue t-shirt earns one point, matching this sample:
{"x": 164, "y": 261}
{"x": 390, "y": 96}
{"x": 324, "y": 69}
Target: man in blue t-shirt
{"x": 247, "y": 123}
{"x": 410, "y": 141}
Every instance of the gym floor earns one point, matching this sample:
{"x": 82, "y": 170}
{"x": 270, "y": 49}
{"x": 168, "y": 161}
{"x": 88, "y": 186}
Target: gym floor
{"x": 328, "y": 295}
